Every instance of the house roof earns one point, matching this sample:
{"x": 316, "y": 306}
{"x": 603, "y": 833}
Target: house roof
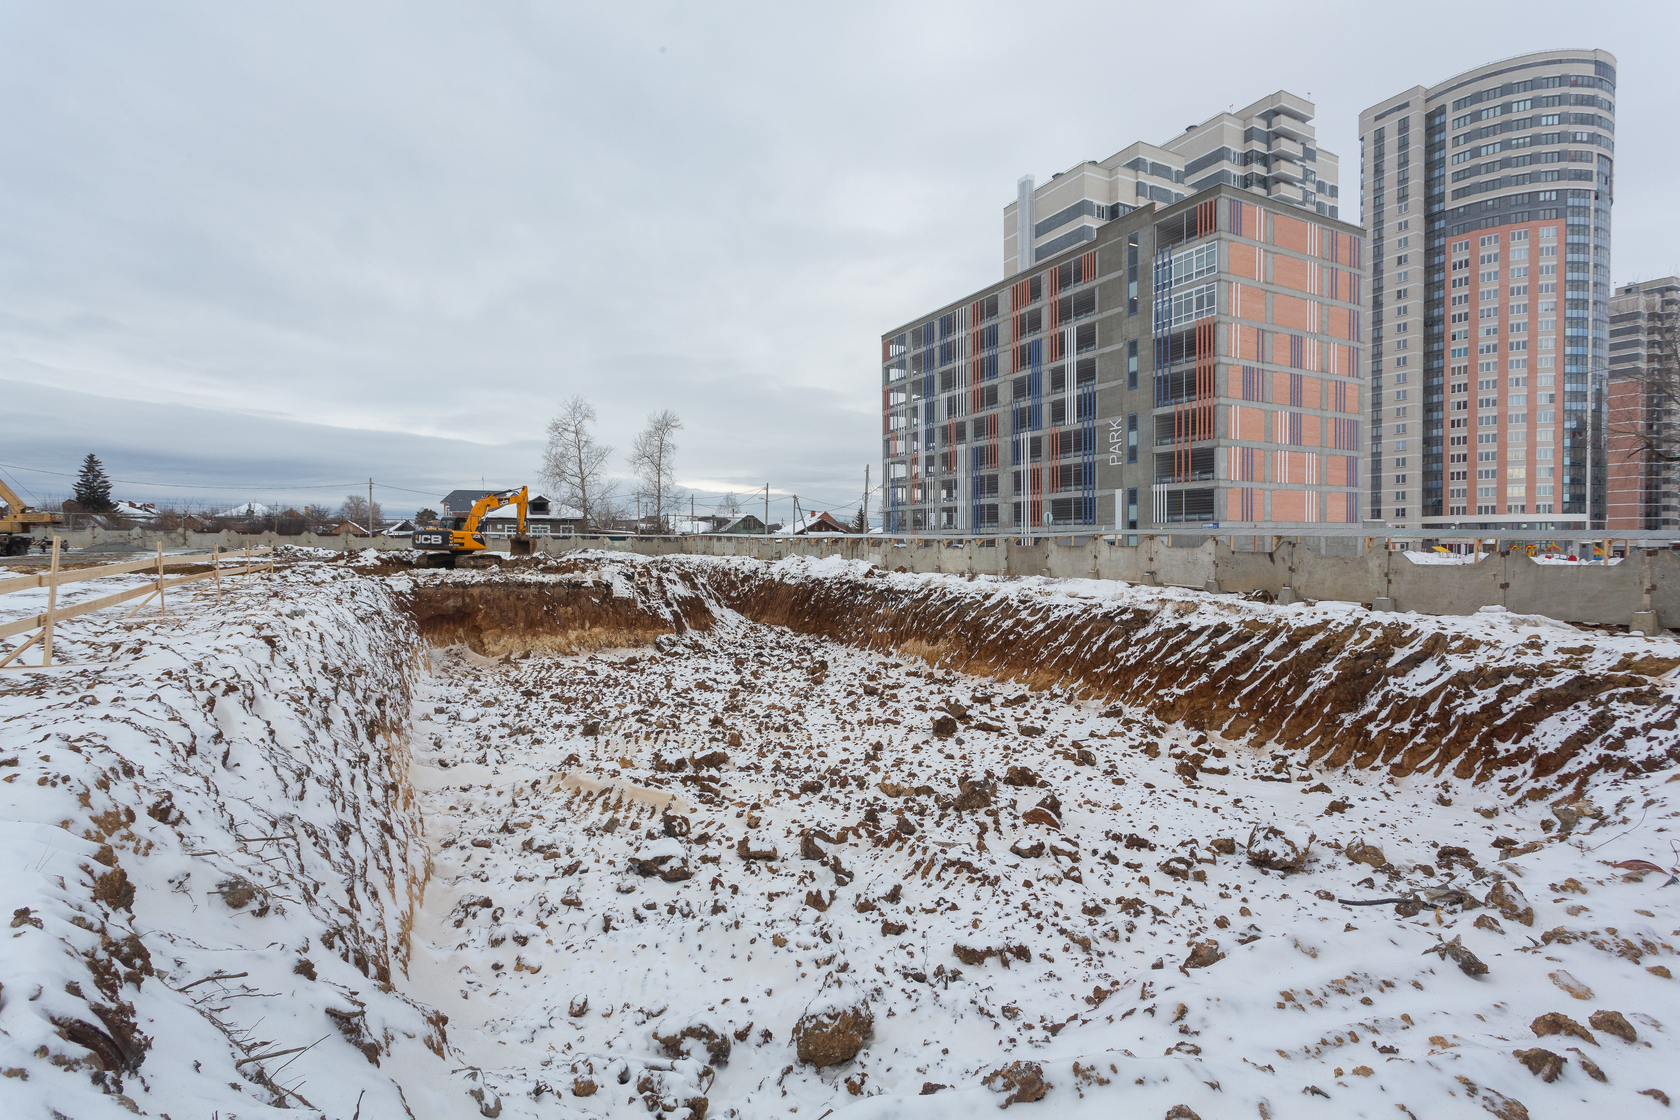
{"x": 814, "y": 523}
{"x": 460, "y": 501}
{"x": 697, "y": 525}
{"x": 556, "y": 512}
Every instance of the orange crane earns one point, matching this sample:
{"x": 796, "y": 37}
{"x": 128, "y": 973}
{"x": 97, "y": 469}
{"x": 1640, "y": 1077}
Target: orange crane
{"x": 444, "y": 544}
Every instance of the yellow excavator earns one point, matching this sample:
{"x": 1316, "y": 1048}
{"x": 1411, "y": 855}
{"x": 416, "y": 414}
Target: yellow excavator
{"x": 18, "y": 522}
{"x": 444, "y": 544}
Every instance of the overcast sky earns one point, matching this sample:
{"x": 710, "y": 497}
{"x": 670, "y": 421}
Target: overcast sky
{"x": 268, "y": 250}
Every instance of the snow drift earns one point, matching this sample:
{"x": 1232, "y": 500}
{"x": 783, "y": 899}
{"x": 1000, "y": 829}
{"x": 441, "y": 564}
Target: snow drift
{"x": 212, "y": 858}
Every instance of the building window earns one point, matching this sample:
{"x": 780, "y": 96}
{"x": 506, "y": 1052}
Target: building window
{"x": 1132, "y": 277}
{"x": 1188, "y": 307}
{"x": 1132, "y": 438}
{"x": 1131, "y": 508}
{"x": 1132, "y": 362}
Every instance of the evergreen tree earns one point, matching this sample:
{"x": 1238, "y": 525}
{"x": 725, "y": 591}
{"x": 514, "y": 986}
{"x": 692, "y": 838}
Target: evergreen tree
{"x": 93, "y": 489}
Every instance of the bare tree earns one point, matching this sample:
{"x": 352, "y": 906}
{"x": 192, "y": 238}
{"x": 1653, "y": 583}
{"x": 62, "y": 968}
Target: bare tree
{"x": 654, "y": 458}
{"x": 1645, "y": 430}
{"x": 355, "y": 508}
{"x": 573, "y": 459}
{"x": 729, "y": 506}
{"x": 614, "y": 511}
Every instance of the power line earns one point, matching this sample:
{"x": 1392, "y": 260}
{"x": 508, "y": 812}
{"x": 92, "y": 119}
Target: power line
{"x": 297, "y": 486}
{"x": 223, "y": 486}
{"x": 24, "y": 488}
{"x": 200, "y": 486}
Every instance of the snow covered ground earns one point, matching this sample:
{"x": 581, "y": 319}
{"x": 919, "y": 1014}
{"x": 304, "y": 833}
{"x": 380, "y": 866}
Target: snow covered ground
{"x": 1052, "y": 883}
{"x": 755, "y": 873}
{"x": 210, "y": 850}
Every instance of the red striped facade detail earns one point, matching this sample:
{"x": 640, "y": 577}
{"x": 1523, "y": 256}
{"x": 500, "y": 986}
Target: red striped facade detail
{"x": 1193, "y": 419}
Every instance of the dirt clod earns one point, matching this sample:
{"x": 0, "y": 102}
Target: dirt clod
{"x": 1023, "y": 1081}
{"x": 1613, "y": 1022}
{"x": 1543, "y": 1064}
{"x": 834, "y": 1035}
{"x": 1555, "y": 1022}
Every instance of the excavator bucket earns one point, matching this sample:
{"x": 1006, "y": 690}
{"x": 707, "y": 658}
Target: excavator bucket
{"x": 519, "y": 546}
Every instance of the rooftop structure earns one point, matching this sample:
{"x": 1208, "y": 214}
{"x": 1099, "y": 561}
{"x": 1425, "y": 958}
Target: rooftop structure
{"x": 1268, "y": 148}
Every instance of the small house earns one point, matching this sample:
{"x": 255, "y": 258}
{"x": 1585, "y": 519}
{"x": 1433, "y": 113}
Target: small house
{"x": 746, "y": 523}
{"x": 815, "y": 523}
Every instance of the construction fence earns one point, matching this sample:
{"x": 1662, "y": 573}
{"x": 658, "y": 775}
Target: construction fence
{"x": 250, "y": 559}
{"x": 1628, "y": 580}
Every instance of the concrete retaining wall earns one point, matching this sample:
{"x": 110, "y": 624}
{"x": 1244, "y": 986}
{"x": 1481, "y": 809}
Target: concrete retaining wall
{"x": 1648, "y": 581}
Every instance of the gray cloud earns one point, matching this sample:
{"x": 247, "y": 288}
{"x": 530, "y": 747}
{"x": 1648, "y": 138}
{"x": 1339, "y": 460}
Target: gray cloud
{"x": 385, "y": 238}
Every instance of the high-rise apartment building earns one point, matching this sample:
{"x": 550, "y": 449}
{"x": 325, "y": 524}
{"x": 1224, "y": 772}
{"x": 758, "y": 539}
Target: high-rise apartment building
{"x": 1268, "y": 148}
{"x": 1487, "y": 199}
{"x": 1193, "y": 364}
{"x": 1642, "y": 410}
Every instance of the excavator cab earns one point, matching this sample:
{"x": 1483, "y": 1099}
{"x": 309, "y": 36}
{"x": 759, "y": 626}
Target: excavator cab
{"x": 443, "y": 545}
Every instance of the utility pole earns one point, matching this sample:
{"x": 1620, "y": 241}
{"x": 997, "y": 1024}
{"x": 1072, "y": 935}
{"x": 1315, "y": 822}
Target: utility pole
{"x": 767, "y": 509}
{"x": 866, "y": 499}
{"x": 796, "y": 513}
{"x": 370, "y": 508}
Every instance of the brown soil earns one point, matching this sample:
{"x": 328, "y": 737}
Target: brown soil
{"x": 1330, "y": 693}
{"x": 496, "y": 617}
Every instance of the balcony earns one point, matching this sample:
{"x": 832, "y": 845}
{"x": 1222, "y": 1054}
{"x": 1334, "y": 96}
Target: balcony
{"x": 1290, "y": 149}
{"x": 1283, "y": 171}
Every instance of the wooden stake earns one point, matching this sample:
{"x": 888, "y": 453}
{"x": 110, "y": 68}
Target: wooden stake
{"x": 162, "y": 608}
{"x": 52, "y": 605}
{"x": 216, "y": 567}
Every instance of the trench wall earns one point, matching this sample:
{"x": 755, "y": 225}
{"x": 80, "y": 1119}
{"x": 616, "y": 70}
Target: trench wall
{"x": 1328, "y": 686}
{"x": 1335, "y": 568}
{"x": 495, "y": 617}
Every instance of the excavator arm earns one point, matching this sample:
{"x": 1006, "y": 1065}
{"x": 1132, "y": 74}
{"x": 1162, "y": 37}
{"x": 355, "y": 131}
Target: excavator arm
{"x": 466, "y": 541}
{"x": 484, "y": 505}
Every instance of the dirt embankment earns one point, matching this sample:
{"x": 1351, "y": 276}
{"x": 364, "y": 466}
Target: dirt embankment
{"x": 1357, "y": 689}
{"x": 575, "y": 613}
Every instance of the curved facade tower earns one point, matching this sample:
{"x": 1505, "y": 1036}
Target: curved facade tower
{"x": 1487, "y": 200}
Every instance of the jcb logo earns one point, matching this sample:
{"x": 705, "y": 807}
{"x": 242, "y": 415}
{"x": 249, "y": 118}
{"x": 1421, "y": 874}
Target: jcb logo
{"x": 429, "y": 538}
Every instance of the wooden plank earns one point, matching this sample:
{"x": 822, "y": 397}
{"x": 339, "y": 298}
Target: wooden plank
{"x": 42, "y": 579}
{"x": 25, "y": 583}
{"x": 52, "y": 604}
{"x": 34, "y": 622}
{"x": 33, "y": 638}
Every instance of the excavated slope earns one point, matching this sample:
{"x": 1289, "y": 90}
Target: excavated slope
{"x": 1335, "y": 686}
{"x": 565, "y": 607}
